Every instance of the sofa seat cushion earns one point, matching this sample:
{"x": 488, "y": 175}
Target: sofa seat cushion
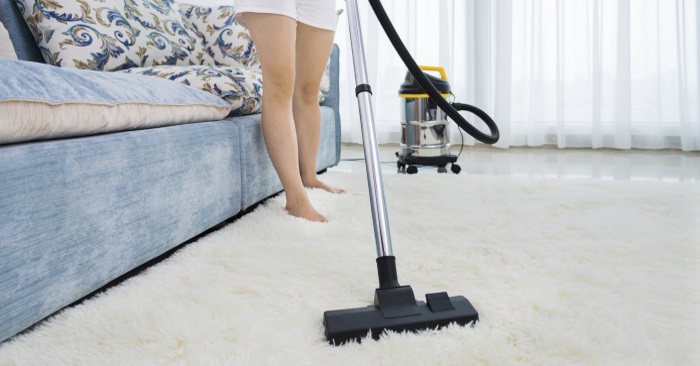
{"x": 239, "y": 86}
{"x": 113, "y": 34}
{"x": 39, "y": 101}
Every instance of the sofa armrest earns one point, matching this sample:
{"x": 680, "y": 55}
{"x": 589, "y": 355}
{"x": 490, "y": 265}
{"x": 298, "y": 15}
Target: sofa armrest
{"x": 332, "y": 99}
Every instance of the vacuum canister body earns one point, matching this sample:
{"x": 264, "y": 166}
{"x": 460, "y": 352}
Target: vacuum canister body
{"x": 424, "y": 126}
{"x": 425, "y": 130}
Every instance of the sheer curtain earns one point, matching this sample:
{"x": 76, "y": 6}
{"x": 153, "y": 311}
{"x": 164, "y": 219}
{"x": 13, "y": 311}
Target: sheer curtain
{"x": 575, "y": 73}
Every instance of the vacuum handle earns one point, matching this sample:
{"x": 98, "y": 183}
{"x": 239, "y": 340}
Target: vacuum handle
{"x": 439, "y": 69}
{"x": 430, "y": 88}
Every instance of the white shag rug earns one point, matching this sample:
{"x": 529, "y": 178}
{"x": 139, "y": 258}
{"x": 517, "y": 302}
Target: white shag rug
{"x": 562, "y": 272}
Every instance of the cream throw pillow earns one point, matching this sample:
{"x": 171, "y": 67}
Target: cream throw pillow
{"x": 7, "y": 50}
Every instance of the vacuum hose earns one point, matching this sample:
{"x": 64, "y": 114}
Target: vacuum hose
{"x": 450, "y": 109}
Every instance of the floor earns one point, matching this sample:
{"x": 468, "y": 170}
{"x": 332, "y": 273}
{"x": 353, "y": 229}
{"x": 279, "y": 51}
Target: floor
{"x": 550, "y": 162}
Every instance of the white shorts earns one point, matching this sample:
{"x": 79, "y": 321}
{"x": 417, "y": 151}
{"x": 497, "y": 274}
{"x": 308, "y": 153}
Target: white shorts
{"x": 316, "y": 13}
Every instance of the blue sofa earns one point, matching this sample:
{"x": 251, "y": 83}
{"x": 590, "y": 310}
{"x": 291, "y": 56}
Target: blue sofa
{"x": 77, "y": 213}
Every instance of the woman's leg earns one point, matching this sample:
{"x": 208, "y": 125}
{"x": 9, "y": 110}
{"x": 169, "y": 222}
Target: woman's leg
{"x": 313, "y": 48}
{"x": 275, "y": 39}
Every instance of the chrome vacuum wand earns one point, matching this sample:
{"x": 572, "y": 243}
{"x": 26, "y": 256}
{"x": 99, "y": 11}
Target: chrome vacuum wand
{"x": 395, "y": 306}
{"x": 369, "y": 137}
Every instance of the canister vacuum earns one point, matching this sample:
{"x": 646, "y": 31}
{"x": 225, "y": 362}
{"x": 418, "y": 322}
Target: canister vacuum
{"x": 425, "y": 130}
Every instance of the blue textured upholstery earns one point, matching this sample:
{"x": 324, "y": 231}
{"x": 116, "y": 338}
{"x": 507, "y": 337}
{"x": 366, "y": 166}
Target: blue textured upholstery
{"x": 39, "y": 82}
{"x": 84, "y": 211}
{"x": 22, "y": 39}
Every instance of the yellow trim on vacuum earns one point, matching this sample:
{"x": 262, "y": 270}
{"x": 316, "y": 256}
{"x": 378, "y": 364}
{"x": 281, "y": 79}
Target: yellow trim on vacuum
{"x": 439, "y": 69}
{"x": 443, "y": 75}
{"x": 421, "y": 95}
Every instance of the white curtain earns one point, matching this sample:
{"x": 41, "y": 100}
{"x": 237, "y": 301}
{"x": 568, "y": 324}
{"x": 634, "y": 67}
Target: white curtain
{"x": 572, "y": 73}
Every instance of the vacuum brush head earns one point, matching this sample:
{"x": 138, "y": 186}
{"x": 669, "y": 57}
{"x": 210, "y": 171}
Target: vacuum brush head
{"x": 396, "y": 309}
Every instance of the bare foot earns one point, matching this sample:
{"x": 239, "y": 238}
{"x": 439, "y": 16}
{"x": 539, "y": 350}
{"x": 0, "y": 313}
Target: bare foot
{"x": 318, "y": 184}
{"x": 305, "y": 212}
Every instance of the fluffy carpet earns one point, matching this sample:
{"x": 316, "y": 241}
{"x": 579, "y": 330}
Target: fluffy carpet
{"x": 563, "y": 272}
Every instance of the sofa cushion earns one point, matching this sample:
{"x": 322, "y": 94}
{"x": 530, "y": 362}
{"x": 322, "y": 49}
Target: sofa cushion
{"x": 113, "y": 34}
{"x": 6, "y": 48}
{"x": 39, "y": 101}
{"x": 239, "y": 86}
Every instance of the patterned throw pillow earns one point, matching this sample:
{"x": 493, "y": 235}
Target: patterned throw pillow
{"x": 240, "y": 87}
{"x": 228, "y": 42}
{"x": 113, "y": 34}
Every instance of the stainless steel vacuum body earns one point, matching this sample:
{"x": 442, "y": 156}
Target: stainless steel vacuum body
{"x": 425, "y": 130}
{"x": 424, "y": 126}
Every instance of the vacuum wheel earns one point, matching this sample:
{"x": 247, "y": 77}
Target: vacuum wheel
{"x": 411, "y": 169}
{"x": 442, "y": 169}
{"x": 401, "y": 167}
{"x": 456, "y": 168}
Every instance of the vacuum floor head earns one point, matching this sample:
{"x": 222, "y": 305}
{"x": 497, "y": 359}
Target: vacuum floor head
{"x": 396, "y": 309}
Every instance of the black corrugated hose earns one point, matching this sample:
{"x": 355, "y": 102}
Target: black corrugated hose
{"x": 450, "y": 109}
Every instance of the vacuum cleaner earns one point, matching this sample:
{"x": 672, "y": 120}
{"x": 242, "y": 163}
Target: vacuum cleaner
{"x": 425, "y": 130}
{"x": 395, "y": 306}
